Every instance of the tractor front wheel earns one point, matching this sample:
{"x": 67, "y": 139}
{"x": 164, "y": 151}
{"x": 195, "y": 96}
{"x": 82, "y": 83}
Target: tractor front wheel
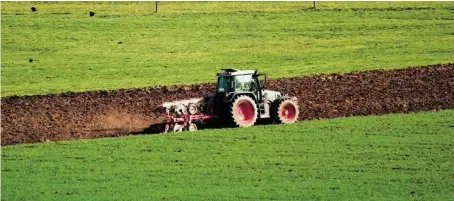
{"x": 244, "y": 111}
{"x": 287, "y": 112}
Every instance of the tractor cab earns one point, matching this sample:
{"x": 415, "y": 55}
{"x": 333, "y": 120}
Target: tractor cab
{"x": 233, "y": 81}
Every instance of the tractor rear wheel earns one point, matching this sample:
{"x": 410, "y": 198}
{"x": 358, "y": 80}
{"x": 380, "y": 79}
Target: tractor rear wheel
{"x": 244, "y": 111}
{"x": 287, "y": 112}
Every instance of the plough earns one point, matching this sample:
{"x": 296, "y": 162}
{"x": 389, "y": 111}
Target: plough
{"x": 183, "y": 115}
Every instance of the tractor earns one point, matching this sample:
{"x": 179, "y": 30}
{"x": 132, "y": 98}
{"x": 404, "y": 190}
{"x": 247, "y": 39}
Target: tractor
{"x": 239, "y": 100}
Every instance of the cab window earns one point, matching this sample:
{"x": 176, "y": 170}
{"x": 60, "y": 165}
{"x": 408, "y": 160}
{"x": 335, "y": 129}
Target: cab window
{"x": 244, "y": 83}
{"x": 221, "y": 85}
{"x": 224, "y": 84}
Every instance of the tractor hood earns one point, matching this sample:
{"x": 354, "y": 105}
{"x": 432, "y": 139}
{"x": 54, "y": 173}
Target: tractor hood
{"x": 271, "y": 95}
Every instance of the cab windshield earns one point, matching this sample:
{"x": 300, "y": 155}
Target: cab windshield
{"x": 236, "y": 83}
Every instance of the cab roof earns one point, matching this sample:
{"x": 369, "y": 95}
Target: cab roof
{"x": 234, "y": 72}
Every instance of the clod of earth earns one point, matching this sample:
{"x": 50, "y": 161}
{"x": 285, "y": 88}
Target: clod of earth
{"x": 94, "y": 114}
{"x": 91, "y": 13}
{"x": 33, "y": 9}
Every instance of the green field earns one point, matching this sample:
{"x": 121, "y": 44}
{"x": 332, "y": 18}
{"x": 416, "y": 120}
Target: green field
{"x": 390, "y": 157}
{"x": 127, "y": 45}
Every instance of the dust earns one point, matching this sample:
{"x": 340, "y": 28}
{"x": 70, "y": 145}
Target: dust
{"x": 121, "y": 121}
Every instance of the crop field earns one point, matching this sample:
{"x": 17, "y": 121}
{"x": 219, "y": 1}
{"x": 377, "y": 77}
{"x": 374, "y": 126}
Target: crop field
{"x": 390, "y": 157}
{"x": 67, "y": 76}
{"x": 122, "y": 112}
{"x": 128, "y": 45}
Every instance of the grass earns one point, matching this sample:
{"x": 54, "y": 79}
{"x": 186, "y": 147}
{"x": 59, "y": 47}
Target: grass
{"x": 127, "y": 45}
{"x": 390, "y": 157}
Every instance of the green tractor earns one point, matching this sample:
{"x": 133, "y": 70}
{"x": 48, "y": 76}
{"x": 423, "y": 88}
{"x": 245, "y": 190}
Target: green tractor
{"x": 239, "y": 100}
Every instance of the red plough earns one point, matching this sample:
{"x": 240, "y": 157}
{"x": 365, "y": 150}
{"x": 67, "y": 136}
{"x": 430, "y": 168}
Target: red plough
{"x": 184, "y": 115}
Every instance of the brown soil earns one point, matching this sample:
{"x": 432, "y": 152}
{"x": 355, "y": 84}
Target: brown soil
{"x": 93, "y": 114}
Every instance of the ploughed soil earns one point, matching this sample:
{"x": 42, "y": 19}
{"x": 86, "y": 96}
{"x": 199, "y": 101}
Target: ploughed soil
{"x": 93, "y": 114}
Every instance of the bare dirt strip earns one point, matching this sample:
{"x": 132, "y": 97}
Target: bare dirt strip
{"x": 94, "y": 114}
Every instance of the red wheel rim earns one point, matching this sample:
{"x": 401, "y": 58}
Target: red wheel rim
{"x": 288, "y": 112}
{"x": 245, "y": 111}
